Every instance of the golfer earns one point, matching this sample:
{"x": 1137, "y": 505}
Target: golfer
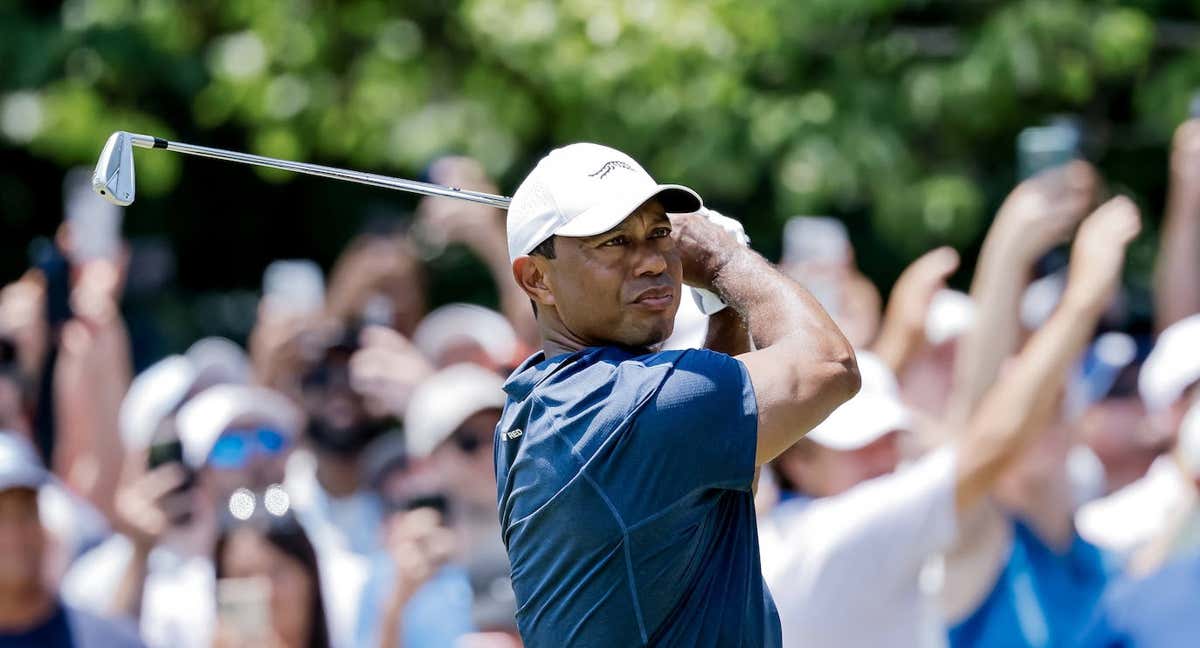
{"x": 625, "y": 474}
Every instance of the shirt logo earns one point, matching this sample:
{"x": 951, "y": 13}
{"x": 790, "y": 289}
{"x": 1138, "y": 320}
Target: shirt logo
{"x": 609, "y": 166}
{"x": 513, "y": 434}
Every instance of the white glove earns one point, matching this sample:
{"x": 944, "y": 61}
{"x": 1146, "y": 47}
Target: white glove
{"x": 706, "y": 300}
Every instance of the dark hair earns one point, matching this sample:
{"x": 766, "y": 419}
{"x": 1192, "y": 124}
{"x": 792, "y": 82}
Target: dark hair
{"x": 285, "y": 534}
{"x": 544, "y": 249}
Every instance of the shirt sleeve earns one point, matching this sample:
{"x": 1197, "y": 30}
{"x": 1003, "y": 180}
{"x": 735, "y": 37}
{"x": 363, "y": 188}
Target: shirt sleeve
{"x": 701, "y": 426}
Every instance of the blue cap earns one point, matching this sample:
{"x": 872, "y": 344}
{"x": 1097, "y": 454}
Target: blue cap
{"x": 20, "y": 466}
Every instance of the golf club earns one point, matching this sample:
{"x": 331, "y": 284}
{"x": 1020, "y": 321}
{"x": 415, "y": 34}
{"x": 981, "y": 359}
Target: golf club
{"x": 113, "y": 178}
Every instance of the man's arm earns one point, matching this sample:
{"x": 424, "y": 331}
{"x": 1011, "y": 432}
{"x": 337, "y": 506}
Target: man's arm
{"x": 1176, "y": 294}
{"x": 1036, "y": 216}
{"x": 804, "y": 367}
{"x": 1002, "y": 426}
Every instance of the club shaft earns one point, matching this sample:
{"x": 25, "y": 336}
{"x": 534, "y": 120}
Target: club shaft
{"x": 360, "y": 177}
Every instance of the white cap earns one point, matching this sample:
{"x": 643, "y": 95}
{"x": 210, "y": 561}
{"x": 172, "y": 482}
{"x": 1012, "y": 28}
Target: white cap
{"x": 445, "y": 401}
{"x": 20, "y": 465}
{"x": 152, "y": 396}
{"x": 163, "y": 386}
{"x": 875, "y": 411}
{"x": 951, "y": 313}
{"x": 202, "y": 420}
{"x": 583, "y": 190}
{"x": 454, "y": 323}
{"x": 1188, "y": 447}
{"x": 1173, "y": 365}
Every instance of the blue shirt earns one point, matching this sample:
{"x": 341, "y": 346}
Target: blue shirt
{"x": 438, "y": 613}
{"x": 1159, "y": 611}
{"x": 1041, "y": 598}
{"x": 625, "y": 501}
{"x": 71, "y": 628}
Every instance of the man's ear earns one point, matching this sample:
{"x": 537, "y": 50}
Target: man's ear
{"x": 530, "y": 273}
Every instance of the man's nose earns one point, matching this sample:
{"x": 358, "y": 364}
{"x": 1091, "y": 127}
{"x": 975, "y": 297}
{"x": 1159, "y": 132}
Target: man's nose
{"x": 649, "y": 260}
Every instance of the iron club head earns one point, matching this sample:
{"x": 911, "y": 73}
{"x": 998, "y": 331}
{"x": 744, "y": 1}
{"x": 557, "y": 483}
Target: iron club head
{"x": 113, "y": 177}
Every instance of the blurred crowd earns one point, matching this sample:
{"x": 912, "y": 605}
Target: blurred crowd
{"x": 332, "y": 482}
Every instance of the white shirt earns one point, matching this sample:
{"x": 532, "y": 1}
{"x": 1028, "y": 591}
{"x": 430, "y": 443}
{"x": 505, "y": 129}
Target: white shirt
{"x": 1126, "y": 520}
{"x": 178, "y": 597}
{"x": 847, "y": 571}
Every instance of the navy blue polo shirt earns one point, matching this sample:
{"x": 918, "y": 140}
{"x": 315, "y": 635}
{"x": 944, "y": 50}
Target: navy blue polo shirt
{"x": 625, "y": 501}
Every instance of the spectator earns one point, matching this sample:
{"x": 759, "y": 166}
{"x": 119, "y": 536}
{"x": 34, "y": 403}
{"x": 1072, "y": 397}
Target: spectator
{"x": 1159, "y": 611}
{"x": 1128, "y": 519}
{"x": 407, "y": 601}
{"x": 31, "y": 612}
{"x": 160, "y": 567}
{"x": 326, "y": 477}
{"x": 827, "y": 538}
{"x": 268, "y": 584}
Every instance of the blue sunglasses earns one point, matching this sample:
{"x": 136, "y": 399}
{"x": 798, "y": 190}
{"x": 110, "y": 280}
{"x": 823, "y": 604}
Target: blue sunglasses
{"x": 236, "y": 447}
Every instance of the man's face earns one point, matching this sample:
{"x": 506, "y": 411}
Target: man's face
{"x": 465, "y": 459}
{"x": 622, "y": 286}
{"x": 22, "y": 539}
{"x": 1120, "y": 433}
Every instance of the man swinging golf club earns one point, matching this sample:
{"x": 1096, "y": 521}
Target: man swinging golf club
{"x": 625, "y": 475}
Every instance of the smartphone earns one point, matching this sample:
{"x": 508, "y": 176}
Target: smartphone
{"x": 1194, "y": 106}
{"x": 294, "y": 285}
{"x": 1045, "y": 147}
{"x": 94, "y": 224}
{"x": 165, "y": 448}
{"x": 244, "y": 609}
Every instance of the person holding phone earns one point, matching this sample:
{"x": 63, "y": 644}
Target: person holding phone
{"x": 268, "y": 585}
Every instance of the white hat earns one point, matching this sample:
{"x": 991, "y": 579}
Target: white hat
{"x": 160, "y": 388}
{"x": 20, "y": 465}
{"x": 1173, "y": 365}
{"x": 875, "y": 411}
{"x": 445, "y": 401}
{"x": 1188, "y": 447}
{"x": 583, "y": 190}
{"x": 152, "y": 396}
{"x": 202, "y": 420}
{"x": 454, "y": 323}
{"x": 951, "y": 313}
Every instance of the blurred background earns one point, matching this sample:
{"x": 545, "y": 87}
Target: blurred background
{"x": 899, "y": 117}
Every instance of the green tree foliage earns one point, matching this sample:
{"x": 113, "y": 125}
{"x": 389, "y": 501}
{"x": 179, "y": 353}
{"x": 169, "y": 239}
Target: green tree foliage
{"x": 898, "y": 115}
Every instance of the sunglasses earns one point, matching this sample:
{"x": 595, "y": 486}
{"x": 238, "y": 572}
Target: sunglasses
{"x": 236, "y": 447}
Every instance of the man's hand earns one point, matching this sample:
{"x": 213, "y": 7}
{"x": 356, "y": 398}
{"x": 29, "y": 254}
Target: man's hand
{"x": 903, "y": 329}
{"x": 1098, "y": 254}
{"x": 146, "y": 506}
{"x": 704, "y": 247}
{"x": 419, "y": 545}
{"x": 1043, "y": 210}
{"x": 442, "y": 221}
{"x": 386, "y": 370}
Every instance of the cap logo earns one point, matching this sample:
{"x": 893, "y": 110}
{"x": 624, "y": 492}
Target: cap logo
{"x": 609, "y": 166}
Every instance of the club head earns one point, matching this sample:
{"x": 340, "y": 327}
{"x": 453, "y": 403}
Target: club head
{"x": 113, "y": 177}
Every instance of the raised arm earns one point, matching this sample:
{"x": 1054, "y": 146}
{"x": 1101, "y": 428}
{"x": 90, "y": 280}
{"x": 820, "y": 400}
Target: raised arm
{"x": 1176, "y": 293}
{"x": 481, "y": 229}
{"x": 804, "y": 367}
{"x": 1002, "y": 424}
{"x": 1039, "y": 214}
